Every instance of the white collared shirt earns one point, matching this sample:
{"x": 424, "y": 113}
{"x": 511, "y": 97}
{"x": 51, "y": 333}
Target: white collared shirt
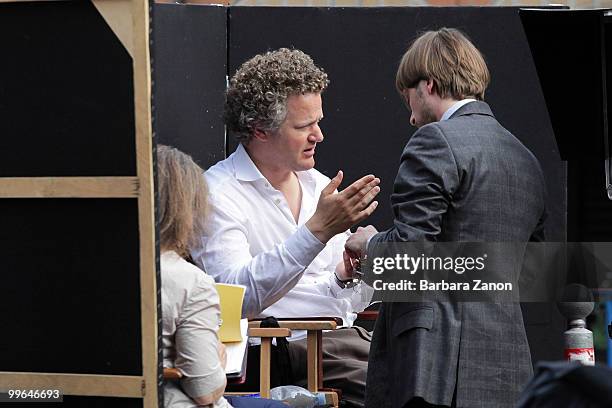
{"x": 253, "y": 240}
{"x": 455, "y": 107}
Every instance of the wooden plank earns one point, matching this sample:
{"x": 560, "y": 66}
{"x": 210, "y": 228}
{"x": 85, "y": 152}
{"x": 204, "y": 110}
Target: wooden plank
{"x": 264, "y": 367}
{"x": 332, "y": 398}
{"x": 146, "y": 210}
{"x": 69, "y": 187}
{"x": 118, "y": 16}
{"x": 196, "y": 2}
{"x": 319, "y": 359}
{"x": 269, "y": 332}
{"x": 311, "y": 357}
{"x": 76, "y": 384}
{"x": 301, "y": 324}
{"x": 308, "y": 325}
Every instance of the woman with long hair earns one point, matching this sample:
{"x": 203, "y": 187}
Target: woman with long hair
{"x": 190, "y": 303}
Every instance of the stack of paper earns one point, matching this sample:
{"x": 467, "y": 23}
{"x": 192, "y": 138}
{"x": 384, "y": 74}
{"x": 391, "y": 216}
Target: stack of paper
{"x": 233, "y": 330}
{"x": 236, "y": 352}
{"x": 231, "y": 297}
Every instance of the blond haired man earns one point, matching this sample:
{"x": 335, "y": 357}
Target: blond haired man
{"x": 462, "y": 177}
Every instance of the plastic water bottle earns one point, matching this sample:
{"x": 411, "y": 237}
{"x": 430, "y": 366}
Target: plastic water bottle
{"x": 297, "y": 397}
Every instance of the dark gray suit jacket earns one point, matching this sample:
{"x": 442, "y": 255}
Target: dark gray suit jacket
{"x": 464, "y": 179}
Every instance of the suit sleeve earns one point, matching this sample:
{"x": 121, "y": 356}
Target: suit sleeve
{"x": 424, "y": 186}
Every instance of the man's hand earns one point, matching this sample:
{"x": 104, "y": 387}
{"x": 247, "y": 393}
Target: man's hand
{"x": 345, "y": 269}
{"x": 355, "y": 246}
{"x": 338, "y": 212}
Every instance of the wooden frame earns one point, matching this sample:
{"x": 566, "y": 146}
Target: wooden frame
{"x": 314, "y": 327}
{"x": 69, "y": 187}
{"x": 77, "y": 384}
{"x": 266, "y": 335}
{"x": 129, "y": 20}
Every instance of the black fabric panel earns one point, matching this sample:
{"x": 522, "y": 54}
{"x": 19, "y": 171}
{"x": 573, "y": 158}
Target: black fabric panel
{"x": 553, "y": 36}
{"x": 66, "y": 95}
{"x": 589, "y": 209}
{"x": 70, "y": 286}
{"x": 580, "y": 122}
{"x": 366, "y": 125}
{"x": 190, "y": 48}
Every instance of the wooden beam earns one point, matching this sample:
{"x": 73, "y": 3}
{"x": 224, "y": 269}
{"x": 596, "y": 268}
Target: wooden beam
{"x": 264, "y": 366}
{"x": 118, "y": 16}
{"x": 69, "y": 187}
{"x": 301, "y": 324}
{"x": 146, "y": 202}
{"x": 195, "y": 2}
{"x": 269, "y": 332}
{"x": 312, "y": 353}
{"x": 319, "y": 359}
{"x": 76, "y": 384}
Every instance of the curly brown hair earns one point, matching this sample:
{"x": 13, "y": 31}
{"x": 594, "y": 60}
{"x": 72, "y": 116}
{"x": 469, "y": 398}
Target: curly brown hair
{"x": 183, "y": 200}
{"x": 258, "y": 91}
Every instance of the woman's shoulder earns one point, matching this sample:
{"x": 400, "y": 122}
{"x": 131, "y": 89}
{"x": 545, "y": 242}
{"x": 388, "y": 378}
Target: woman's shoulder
{"x": 177, "y": 272}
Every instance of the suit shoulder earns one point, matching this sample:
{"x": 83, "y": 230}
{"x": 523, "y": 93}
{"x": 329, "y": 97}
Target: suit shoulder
{"x": 432, "y": 134}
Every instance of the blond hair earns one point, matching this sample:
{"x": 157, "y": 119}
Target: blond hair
{"x": 183, "y": 203}
{"x": 450, "y": 60}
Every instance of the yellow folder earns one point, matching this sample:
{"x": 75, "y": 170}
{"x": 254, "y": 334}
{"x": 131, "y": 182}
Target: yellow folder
{"x": 231, "y": 297}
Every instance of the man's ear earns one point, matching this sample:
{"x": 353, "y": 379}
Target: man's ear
{"x": 431, "y": 86}
{"x": 260, "y": 135}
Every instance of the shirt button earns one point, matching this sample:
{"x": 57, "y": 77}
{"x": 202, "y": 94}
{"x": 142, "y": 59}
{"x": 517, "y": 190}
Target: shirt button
{"x": 277, "y": 201}
{"x": 266, "y": 185}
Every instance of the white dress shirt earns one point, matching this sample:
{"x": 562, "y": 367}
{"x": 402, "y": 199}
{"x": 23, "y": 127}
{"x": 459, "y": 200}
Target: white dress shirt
{"x": 253, "y": 240}
{"x": 455, "y": 107}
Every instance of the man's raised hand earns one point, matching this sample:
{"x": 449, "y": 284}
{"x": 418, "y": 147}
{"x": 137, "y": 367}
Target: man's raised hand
{"x": 336, "y": 213}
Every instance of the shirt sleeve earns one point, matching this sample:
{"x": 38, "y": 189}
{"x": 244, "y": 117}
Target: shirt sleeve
{"x": 224, "y": 254}
{"x": 360, "y": 295}
{"x": 196, "y": 341}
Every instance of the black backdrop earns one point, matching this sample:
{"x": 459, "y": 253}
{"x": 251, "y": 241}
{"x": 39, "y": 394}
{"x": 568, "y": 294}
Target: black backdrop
{"x": 189, "y": 69}
{"x": 580, "y": 127}
{"x": 65, "y": 106}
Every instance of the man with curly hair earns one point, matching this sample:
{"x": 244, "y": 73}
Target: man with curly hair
{"x": 277, "y": 225}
